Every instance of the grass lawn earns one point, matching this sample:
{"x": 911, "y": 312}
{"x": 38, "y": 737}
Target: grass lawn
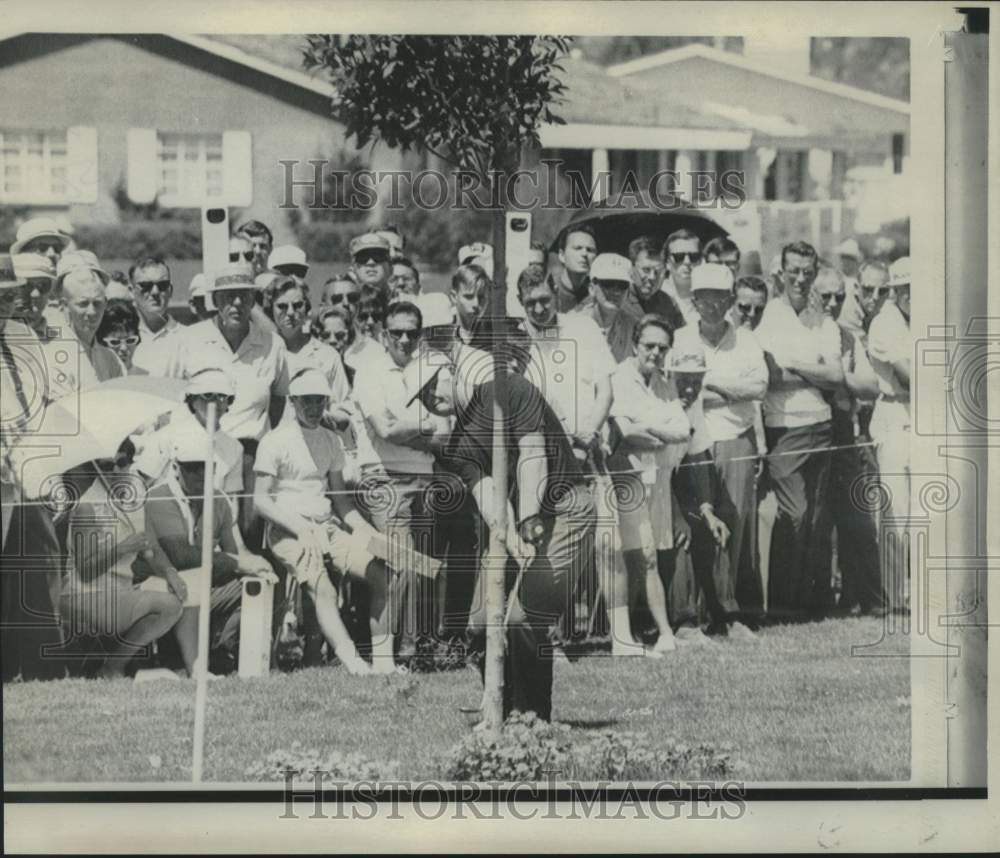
{"x": 794, "y": 705}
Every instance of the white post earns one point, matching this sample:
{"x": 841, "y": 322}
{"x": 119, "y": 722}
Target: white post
{"x": 600, "y": 174}
{"x": 684, "y": 165}
{"x": 205, "y": 598}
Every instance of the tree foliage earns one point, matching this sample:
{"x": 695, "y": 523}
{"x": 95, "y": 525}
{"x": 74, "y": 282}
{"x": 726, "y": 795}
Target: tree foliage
{"x": 467, "y": 99}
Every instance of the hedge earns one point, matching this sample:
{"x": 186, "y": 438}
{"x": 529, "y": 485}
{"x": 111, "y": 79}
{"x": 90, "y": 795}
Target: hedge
{"x": 170, "y": 239}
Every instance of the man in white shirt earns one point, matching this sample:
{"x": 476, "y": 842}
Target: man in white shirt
{"x": 805, "y": 345}
{"x": 890, "y": 346}
{"x": 405, "y": 436}
{"x": 254, "y": 358}
{"x": 152, "y": 289}
{"x": 735, "y": 381}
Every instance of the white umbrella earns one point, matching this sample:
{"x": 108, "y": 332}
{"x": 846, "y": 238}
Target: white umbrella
{"x": 89, "y": 425}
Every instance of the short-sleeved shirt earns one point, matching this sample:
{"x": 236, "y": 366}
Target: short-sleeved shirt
{"x": 569, "y": 360}
{"x": 469, "y": 452}
{"x": 71, "y": 366}
{"x": 383, "y": 388}
{"x": 889, "y": 341}
{"x": 362, "y": 350}
{"x": 96, "y": 523}
{"x": 736, "y": 362}
{"x": 300, "y": 460}
{"x": 807, "y": 336}
{"x": 155, "y": 350}
{"x": 258, "y": 369}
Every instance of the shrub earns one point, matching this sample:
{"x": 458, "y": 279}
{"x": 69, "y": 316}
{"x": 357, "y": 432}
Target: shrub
{"x": 628, "y": 757}
{"x": 303, "y": 762}
{"x": 171, "y": 239}
{"x": 324, "y": 241}
{"x": 527, "y": 747}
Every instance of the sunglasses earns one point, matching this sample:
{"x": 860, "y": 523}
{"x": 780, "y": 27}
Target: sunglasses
{"x": 366, "y": 316}
{"x": 350, "y": 297}
{"x": 339, "y": 336}
{"x": 146, "y": 286}
{"x": 217, "y": 398}
{"x": 40, "y": 285}
{"x": 836, "y": 297}
{"x": 681, "y": 258}
{"x": 654, "y": 347}
{"x": 294, "y": 305}
{"x": 246, "y": 254}
{"x": 399, "y": 333}
{"x": 118, "y": 342}
{"x": 871, "y": 290}
{"x": 369, "y": 259}
{"x": 750, "y": 309}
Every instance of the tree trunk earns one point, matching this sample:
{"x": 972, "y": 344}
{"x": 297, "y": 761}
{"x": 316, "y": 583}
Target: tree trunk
{"x": 497, "y": 558}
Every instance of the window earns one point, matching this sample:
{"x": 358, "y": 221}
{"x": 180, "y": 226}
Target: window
{"x": 33, "y": 166}
{"x": 190, "y": 168}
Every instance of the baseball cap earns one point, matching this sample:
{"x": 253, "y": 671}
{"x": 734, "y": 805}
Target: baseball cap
{"x": 689, "y": 357}
{"x": 38, "y": 227}
{"x": 8, "y": 278}
{"x": 899, "y": 272}
{"x": 611, "y": 266}
{"x": 471, "y": 252}
{"x": 309, "y": 382}
{"x": 287, "y": 254}
{"x": 210, "y": 380}
{"x": 848, "y": 247}
{"x": 76, "y": 260}
{"x": 369, "y": 241}
{"x": 232, "y": 275}
{"x": 32, "y": 266}
{"x": 436, "y": 309}
{"x": 711, "y": 276}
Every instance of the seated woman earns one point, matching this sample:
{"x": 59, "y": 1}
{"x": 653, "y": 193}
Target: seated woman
{"x": 299, "y": 470}
{"x": 661, "y": 430}
{"x": 174, "y": 519}
{"x": 104, "y": 537}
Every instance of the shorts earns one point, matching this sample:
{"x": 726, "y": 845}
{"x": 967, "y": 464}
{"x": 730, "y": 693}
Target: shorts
{"x": 191, "y": 579}
{"x": 349, "y": 553}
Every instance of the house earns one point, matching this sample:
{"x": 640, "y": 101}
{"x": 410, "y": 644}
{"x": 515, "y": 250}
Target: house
{"x": 184, "y": 120}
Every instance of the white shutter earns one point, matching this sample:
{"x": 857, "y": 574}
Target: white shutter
{"x": 143, "y": 169}
{"x": 237, "y": 168}
{"x": 81, "y": 172}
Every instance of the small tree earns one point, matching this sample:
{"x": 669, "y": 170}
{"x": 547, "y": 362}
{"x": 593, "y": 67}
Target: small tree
{"x": 473, "y": 101}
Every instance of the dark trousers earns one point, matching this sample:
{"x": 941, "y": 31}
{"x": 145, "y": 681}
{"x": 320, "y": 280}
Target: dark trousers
{"x": 251, "y": 525}
{"x": 546, "y": 587}
{"x": 858, "y": 552}
{"x": 799, "y": 575}
{"x": 32, "y": 560}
